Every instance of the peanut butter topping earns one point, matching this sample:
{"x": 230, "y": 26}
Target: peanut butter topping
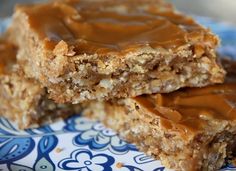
{"x": 7, "y": 56}
{"x": 190, "y": 109}
{"x": 113, "y": 26}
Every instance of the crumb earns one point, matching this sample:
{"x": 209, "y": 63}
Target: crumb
{"x": 119, "y": 165}
{"x": 58, "y": 150}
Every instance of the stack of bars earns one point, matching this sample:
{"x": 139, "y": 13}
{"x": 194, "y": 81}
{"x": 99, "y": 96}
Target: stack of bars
{"x": 123, "y": 62}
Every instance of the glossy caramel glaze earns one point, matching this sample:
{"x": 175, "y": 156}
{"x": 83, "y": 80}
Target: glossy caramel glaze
{"x": 105, "y": 26}
{"x": 191, "y": 108}
{"x": 7, "y": 56}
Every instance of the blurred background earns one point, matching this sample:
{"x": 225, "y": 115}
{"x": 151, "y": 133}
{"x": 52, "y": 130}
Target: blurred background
{"x": 224, "y": 10}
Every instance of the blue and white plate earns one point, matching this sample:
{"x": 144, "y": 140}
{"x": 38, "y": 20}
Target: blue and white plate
{"x": 80, "y": 144}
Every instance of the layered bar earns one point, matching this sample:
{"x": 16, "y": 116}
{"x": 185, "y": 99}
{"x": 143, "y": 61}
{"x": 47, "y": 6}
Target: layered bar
{"x": 24, "y": 100}
{"x": 98, "y": 50}
{"x": 190, "y": 129}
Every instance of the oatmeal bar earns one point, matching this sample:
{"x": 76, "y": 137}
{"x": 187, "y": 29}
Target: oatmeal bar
{"x": 86, "y": 49}
{"x": 190, "y": 129}
{"x": 24, "y": 100}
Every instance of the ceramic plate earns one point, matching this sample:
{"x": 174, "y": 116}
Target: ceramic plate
{"x": 80, "y": 144}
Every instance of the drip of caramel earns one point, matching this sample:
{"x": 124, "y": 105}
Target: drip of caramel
{"x": 191, "y": 108}
{"x": 112, "y": 26}
{"x": 7, "y": 56}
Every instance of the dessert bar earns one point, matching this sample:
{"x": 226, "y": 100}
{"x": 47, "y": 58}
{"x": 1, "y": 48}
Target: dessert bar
{"x": 24, "y": 100}
{"x": 190, "y": 129}
{"x": 98, "y": 50}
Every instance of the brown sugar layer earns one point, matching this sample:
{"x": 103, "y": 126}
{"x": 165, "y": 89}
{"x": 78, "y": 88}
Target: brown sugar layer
{"x": 85, "y": 49}
{"x": 24, "y": 100}
{"x": 189, "y": 129}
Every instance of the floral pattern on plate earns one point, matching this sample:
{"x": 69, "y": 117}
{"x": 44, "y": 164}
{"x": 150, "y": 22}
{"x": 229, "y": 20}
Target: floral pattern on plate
{"x": 96, "y": 136}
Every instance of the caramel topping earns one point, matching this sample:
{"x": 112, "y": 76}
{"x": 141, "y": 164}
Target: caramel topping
{"x": 107, "y": 26}
{"x": 7, "y": 56}
{"x": 191, "y": 108}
